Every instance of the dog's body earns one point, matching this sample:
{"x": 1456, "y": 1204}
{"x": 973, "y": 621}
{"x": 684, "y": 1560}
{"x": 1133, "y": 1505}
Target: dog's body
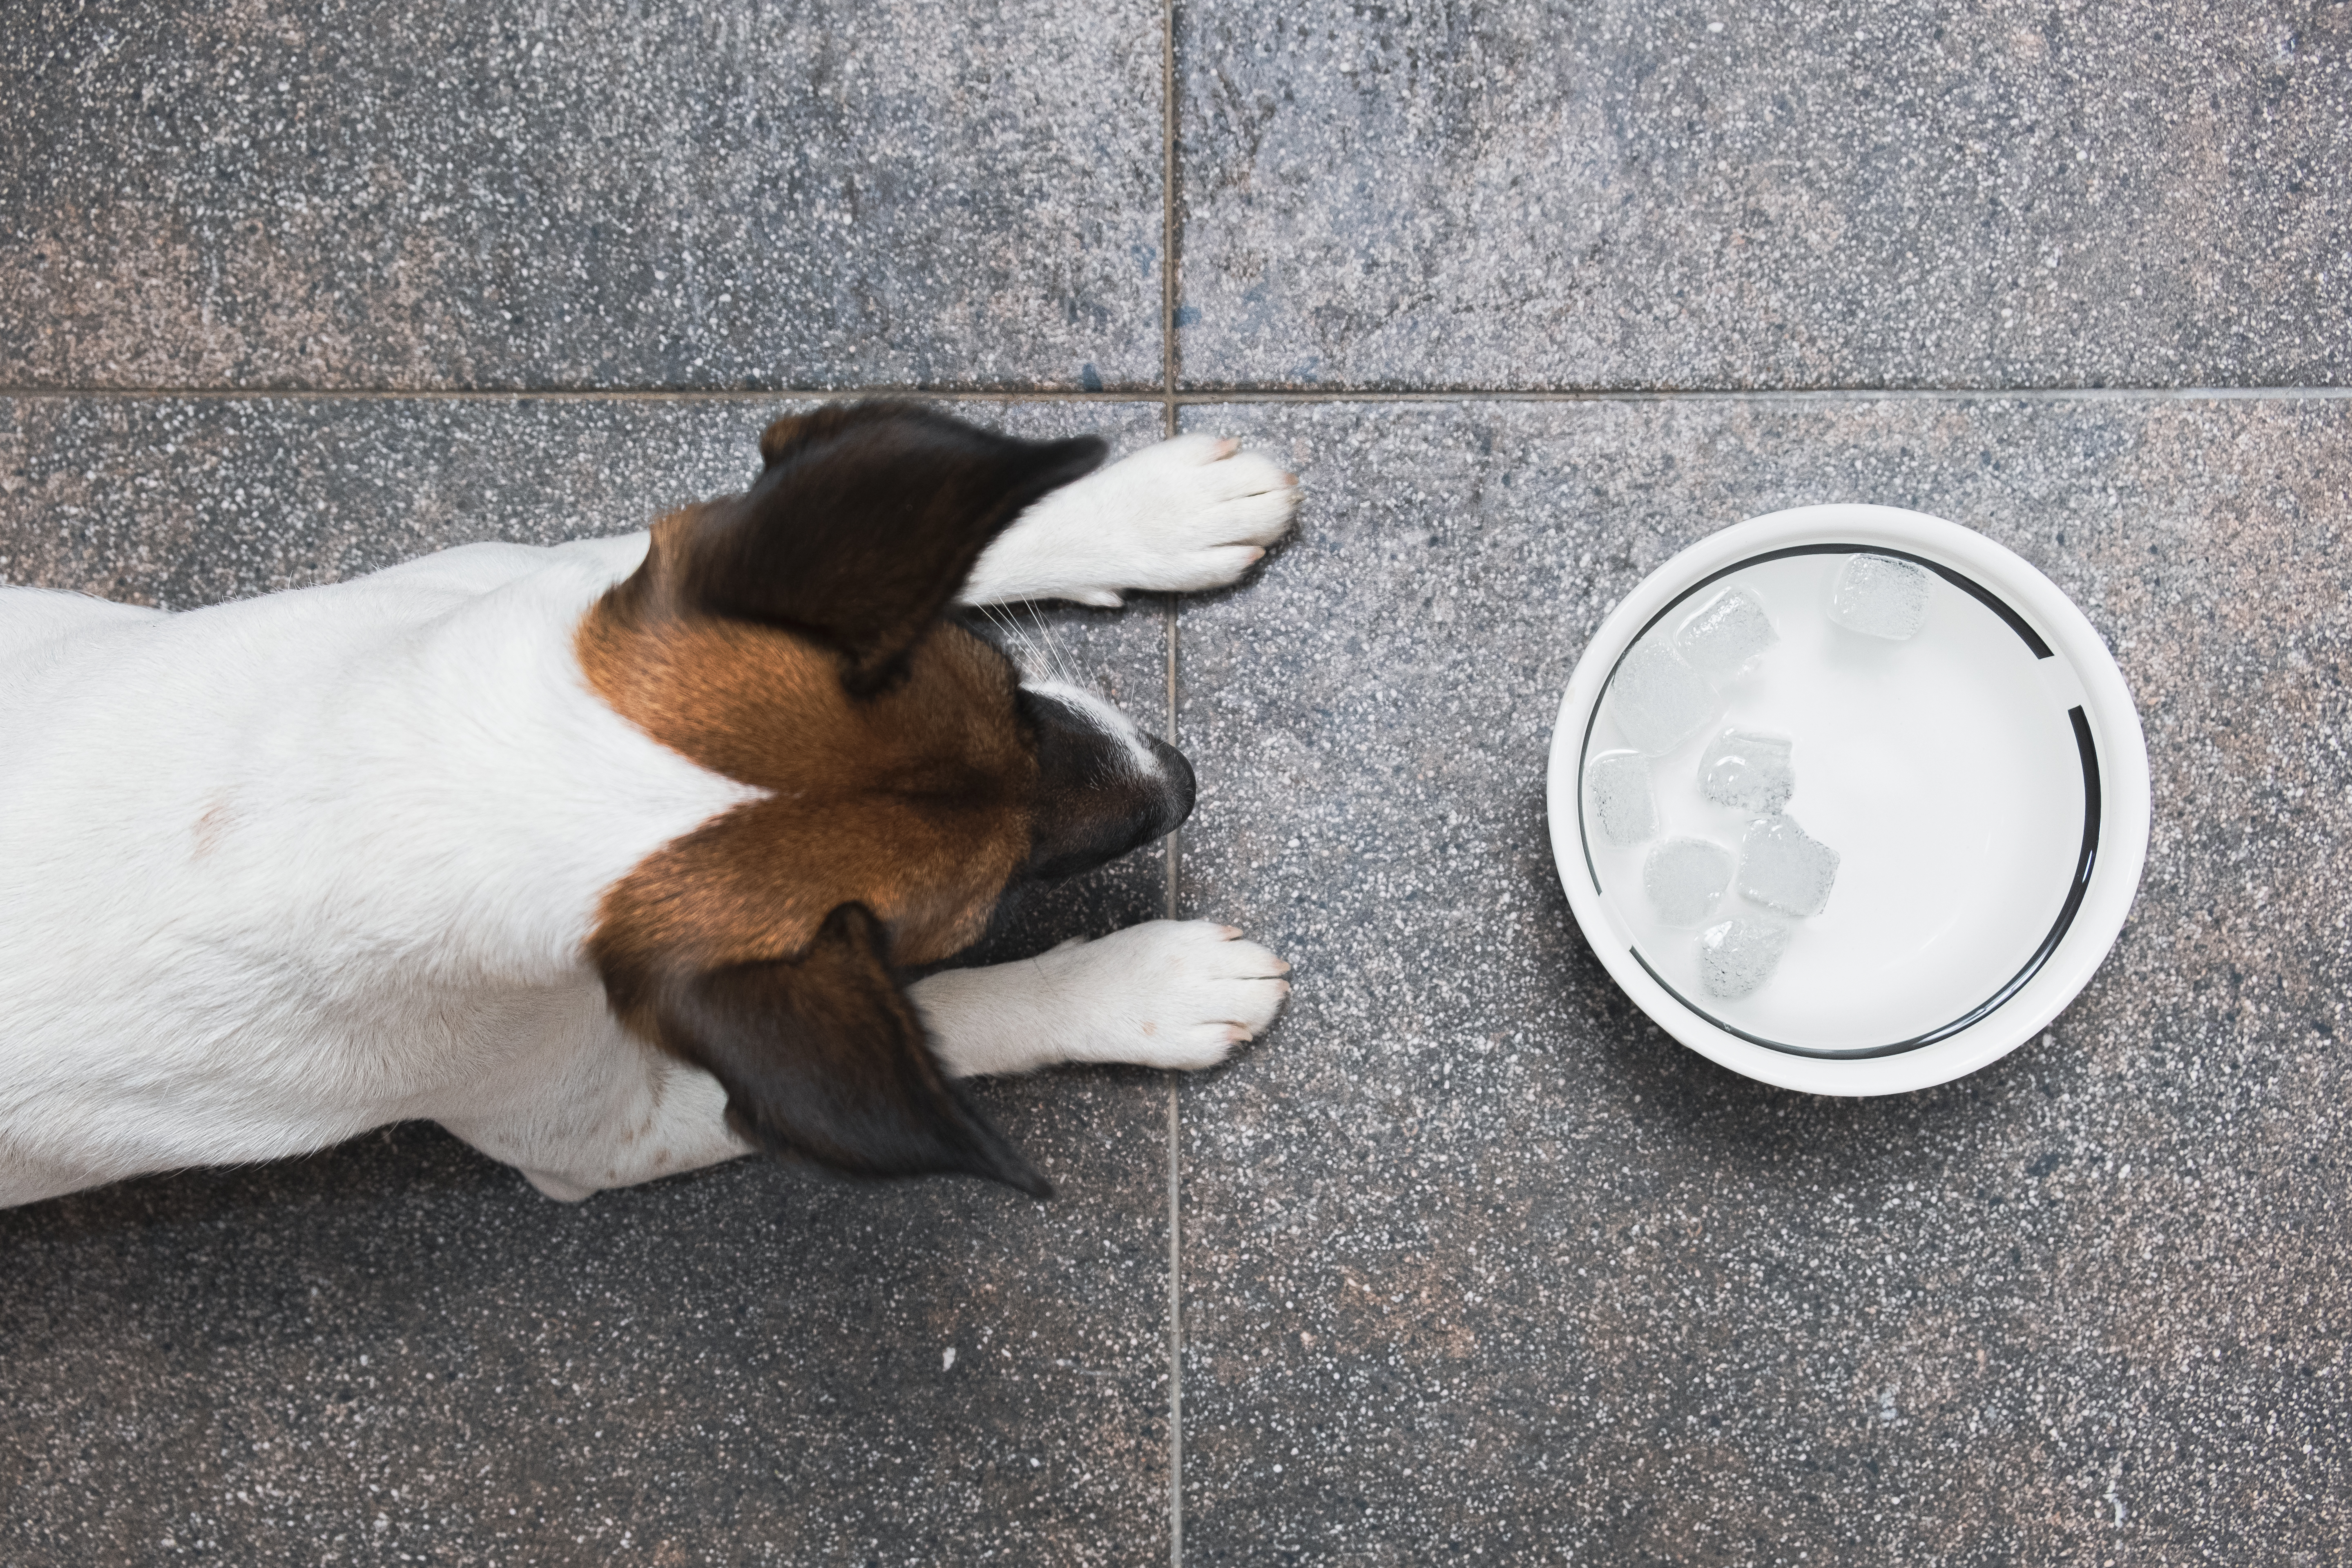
{"x": 602, "y": 854}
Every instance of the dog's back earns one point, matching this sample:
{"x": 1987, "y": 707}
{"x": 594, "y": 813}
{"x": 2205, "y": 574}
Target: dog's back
{"x": 200, "y": 806}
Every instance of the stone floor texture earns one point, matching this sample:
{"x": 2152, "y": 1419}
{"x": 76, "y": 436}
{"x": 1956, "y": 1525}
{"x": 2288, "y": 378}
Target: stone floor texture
{"x": 1470, "y": 1262}
{"x": 1480, "y": 1265}
{"x": 440, "y": 194}
{"x": 1787, "y": 193}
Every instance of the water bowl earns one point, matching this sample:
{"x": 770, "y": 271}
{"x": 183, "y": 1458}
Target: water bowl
{"x": 1982, "y": 782}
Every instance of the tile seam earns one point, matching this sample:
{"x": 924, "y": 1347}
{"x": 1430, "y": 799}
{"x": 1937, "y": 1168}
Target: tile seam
{"x": 580, "y": 395}
{"x": 1169, "y": 865}
{"x": 1171, "y": 398}
{"x": 1801, "y": 395}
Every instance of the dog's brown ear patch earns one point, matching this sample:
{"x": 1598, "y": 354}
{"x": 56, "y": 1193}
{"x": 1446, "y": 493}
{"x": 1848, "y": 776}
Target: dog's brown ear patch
{"x": 822, "y": 1056}
{"x": 864, "y": 523}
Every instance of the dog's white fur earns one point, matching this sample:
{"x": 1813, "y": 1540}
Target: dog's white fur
{"x": 278, "y": 871}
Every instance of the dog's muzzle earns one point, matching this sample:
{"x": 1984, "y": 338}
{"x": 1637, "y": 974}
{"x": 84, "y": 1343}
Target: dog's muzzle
{"x": 1104, "y": 787}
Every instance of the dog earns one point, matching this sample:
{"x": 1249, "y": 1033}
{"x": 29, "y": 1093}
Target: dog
{"x": 611, "y": 858}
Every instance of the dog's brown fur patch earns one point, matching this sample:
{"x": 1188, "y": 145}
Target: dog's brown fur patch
{"x": 913, "y": 802}
{"x": 790, "y": 638}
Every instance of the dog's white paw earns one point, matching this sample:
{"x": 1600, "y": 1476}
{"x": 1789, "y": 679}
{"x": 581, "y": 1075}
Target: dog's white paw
{"x": 1195, "y": 513}
{"x": 1189, "y": 513}
{"x": 1172, "y": 993}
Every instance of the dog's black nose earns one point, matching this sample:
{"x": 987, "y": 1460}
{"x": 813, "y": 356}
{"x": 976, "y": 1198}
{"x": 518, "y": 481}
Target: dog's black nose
{"x": 1176, "y": 774}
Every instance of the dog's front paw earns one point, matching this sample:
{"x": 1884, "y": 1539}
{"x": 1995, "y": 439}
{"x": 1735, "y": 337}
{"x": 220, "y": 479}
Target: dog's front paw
{"x": 1175, "y": 993}
{"x": 1195, "y": 513}
{"x": 1190, "y": 513}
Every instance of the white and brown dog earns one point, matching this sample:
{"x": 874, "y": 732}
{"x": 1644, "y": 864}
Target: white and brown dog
{"x": 609, "y": 858}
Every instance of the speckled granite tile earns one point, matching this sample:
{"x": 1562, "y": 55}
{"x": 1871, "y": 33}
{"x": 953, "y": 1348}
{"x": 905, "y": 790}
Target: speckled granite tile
{"x": 394, "y": 1351}
{"x": 597, "y": 194}
{"x": 1480, "y": 1265}
{"x": 1522, "y": 193}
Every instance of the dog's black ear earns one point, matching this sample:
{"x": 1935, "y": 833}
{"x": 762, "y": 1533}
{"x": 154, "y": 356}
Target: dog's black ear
{"x": 865, "y": 522}
{"x": 824, "y": 1056}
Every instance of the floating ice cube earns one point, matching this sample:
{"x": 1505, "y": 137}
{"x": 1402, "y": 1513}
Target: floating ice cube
{"x": 1683, "y": 878}
{"x": 1783, "y": 870}
{"x": 1880, "y": 596}
{"x": 1731, "y": 629}
{"x": 1747, "y": 772}
{"x": 1657, "y": 699}
{"x": 1621, "y": 793}
{"x": 1739, "y": 955}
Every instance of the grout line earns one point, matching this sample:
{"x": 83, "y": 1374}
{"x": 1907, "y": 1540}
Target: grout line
{"x": 577, "y": 395}
{"x": 1169, "y": 353}
{"x": 1175, "y": 1332}
{"x": 1173, "y": 864}
{"x": 1803, "y": 395}
{"x": 1170, "y": 396}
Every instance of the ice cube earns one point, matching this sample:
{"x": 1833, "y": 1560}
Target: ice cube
{"x": 1880, "y": 596}
{"x": 1747, "y": 772}
{"x": 1739, "y": 955}
{"x": 1730, "y": 630}
{"x": 1621, "y": 794}
{"x": 1657, "y": 699}
{"x": 1683, "y": 878}
{"x": 1782, "y": 869}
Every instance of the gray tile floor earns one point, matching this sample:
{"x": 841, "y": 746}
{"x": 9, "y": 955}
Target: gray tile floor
{"x": 1473, "y": 1264}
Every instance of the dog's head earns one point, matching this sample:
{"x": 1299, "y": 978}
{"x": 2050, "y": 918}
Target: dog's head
{"x": 794, "y": 639}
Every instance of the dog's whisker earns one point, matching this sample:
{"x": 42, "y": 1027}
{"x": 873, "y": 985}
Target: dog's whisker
{"x": 1036, "y": 649}
{"x": 1064, "y": 670}
{"x": 1023, "y": 650}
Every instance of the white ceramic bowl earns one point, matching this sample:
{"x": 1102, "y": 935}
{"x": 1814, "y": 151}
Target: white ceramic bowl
{"x": 1985, "y": 784}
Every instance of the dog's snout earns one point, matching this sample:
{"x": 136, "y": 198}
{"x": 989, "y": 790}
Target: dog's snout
{"x": 1105, "y": 787}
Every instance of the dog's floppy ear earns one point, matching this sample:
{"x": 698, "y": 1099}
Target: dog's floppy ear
{"x": 824, "y": 1056}
{"x": 865, "y": 522}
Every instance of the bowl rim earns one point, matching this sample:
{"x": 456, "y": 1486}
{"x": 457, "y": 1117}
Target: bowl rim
{"x": 2121, "y": 851}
